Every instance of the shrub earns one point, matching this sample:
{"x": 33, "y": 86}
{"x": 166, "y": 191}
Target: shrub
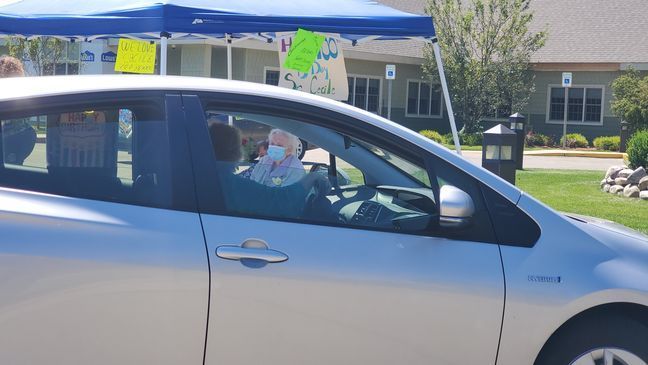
{"x": 471, "y": 139}
{"x": 610, "y": 143}
{"x": 447, "y": 139}
{"x": 575, "y": 140}
{"x": 638, "y": 149}
{"x": 537, "y": 139}
{"x": 433, "y": 135}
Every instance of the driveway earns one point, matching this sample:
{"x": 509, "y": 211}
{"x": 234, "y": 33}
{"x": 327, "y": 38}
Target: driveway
{"x": 556, "y": 162}
{"x": 530, "y": 162}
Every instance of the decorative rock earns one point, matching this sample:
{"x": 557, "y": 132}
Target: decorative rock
{"x": 606, "y": 188}
{"x": 644, "y": 195}
{"x": 613, "y": 171}
{"x": 615, "y": 189}
{"x": 610, "y": 181}
{"x": 637, "y": 175}
{"x": 631, "y": 191}
{"x": 603, "y": 182}
{"x": 624, "y": 173}
{"x": 623, "y": 181}
{"x": 643, "y": 183}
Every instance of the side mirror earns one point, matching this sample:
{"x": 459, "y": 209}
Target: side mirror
{"x": 456, "y": 207}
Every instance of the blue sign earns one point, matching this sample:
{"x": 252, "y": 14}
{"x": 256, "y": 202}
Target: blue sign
{"x": 87, "y": 56}
{"x": 109, "y": 57}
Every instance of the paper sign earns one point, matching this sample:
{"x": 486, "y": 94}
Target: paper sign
{"x": 326, "y": 76}
{"x": 135, "y": 56}
{"x": 303, "y": 50}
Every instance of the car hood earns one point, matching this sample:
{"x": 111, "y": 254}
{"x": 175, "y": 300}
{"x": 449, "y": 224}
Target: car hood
{"x": 608, "y": 226}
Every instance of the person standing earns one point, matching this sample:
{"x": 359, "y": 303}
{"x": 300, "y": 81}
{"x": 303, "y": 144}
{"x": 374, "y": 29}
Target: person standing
{"x": 18, "y": 136}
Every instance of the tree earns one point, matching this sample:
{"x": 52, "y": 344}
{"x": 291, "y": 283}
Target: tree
{"x": 486, "y": 48}
{"x": 43, "y": 52}
{"x": 630, "y": 102}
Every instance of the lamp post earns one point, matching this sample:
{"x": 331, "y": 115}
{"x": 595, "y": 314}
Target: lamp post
{"x": 498, "y": 151}
{"x": 517, "y": 125}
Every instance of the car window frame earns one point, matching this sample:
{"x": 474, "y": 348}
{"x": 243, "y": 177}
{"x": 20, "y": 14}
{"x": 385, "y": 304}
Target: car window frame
{"x": 210, "y": 199}
{"x": 182, "y": 184}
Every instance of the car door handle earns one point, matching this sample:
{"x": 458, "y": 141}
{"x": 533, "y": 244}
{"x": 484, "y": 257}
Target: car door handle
{"x": 232, "y": 252}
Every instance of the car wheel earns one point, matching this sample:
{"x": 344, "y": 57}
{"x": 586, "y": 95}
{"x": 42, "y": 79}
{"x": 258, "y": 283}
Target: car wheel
{"x": 301, "y": 148}
{"x": 611, "y": 340}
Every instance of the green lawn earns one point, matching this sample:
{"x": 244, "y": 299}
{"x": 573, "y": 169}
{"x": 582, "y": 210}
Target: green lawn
{"x": 578, "y": 192}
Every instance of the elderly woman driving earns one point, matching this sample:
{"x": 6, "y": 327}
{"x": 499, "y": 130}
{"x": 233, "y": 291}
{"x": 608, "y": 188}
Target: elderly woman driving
{"x": 280, "y": 167}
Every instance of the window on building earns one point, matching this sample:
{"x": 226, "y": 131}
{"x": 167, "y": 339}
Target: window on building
{"x": 423, "y": 99}
{"x": 364, "y": 93}
{"x": 272, "y": 77}
{"x": 501, "y": 112}
{"x": 68, "y": 63}
{"x": 584, "y": 104}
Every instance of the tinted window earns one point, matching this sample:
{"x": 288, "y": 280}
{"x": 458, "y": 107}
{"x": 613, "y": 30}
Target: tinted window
{"x": 116, "y": 151}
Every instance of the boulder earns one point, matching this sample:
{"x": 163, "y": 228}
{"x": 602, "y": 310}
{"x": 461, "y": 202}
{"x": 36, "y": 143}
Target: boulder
{"x": 603, "y": 182}
{"x": 613, "y": 171}
{"x": 610, "y": 181}
{"x": 631, "y": 191}
{"x": 615, "y": 189}
{"x": 624, "y": 173}
{"x": 606, "y": 188}
{"x": 622, "y": 181}
{"x": 644, "y": 195}
{"x": 637, "y": 175}
{"x": 643, "y": 183}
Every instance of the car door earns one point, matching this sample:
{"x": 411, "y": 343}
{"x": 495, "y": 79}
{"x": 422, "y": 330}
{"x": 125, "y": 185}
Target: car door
{"x": 102, "y": 258}
{"x": 322, "y": 289}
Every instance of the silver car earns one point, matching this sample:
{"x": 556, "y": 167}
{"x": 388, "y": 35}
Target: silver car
{"x": 165, "y": 252}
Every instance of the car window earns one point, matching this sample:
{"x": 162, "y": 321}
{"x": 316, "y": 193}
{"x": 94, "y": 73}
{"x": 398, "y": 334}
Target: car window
{"x": 117, "y": 152}
{"x": 342, "y": 179}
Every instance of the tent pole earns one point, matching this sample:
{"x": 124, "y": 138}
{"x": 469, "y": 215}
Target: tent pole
{"x": 446, "y": 94}
{"x": 164, "y": 40}
{"x": 228, "y": 39}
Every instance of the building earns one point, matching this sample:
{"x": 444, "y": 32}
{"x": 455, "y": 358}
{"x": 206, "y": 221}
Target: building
{"x": 596, "y": 40}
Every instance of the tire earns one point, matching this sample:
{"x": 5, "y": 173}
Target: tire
{"x": 625, "y": 337}
{"x": 301, "y": 148}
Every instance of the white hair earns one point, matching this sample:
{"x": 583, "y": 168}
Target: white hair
{"x": 293, "y": 141}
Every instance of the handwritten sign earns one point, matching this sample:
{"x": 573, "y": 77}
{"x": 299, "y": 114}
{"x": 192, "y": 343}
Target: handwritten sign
{"x": 135, "y": 56}
{"x": 303, "y": 50}
{"x": 325, "y": 76}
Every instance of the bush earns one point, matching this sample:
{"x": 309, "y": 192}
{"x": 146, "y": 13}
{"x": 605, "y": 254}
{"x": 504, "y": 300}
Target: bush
{"x": 575, "y": 140}
{"x": 447, "y": 139}
{"x": 433, "y": 135}
{"x": 471, "y": 139}
{"x": 638, "y": 149}
{"x": 538, "y": 140}
{"x": 610, "y": 143}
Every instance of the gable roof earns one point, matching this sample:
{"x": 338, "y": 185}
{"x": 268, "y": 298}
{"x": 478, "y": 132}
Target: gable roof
{"x": 579, "y": 31}
{"x": 592, "y": 31}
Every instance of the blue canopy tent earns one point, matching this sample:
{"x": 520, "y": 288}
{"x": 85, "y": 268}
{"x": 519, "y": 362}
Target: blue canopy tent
{"x": 223, "y": 21}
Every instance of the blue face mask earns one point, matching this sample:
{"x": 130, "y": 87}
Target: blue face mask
{"x": 277, "y": 153}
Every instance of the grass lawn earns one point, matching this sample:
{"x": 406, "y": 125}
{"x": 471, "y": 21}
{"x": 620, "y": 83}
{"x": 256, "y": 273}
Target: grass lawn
{"x": 578, "y": 192}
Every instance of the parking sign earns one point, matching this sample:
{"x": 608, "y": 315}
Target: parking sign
{"x": 566, "y": 79}
{"x": 390, "y": 72}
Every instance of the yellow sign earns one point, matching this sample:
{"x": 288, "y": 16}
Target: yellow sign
{"x": 135, "y": 56}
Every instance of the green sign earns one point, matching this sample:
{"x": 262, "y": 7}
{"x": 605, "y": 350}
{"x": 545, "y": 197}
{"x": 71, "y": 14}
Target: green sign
{"x": 303, "y": 50}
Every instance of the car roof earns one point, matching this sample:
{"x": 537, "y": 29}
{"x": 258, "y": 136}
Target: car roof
{"x": 31, "y": 87}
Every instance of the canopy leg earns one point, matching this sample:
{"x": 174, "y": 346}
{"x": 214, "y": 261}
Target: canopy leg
{"x": 446, "y": 94}
{"x": 228, "y": 39}
{"x": 164, "y": 40}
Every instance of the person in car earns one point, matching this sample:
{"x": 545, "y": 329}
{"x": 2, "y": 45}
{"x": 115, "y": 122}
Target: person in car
{"x": 280, "y": 167}
{"x": 18, "y": 136}
{"x": 249, "y": 197}
{"x": 262, "y": 150}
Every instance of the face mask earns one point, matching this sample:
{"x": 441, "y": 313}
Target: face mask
{"x": 276, "y": 153}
